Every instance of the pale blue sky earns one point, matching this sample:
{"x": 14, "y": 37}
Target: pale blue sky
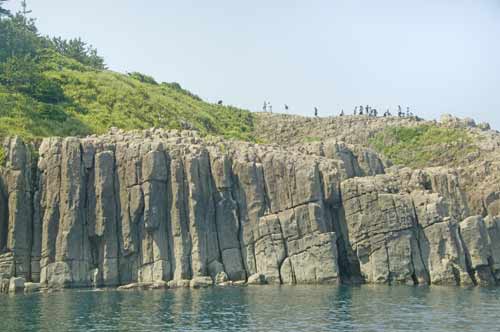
{"x": 437, "y": 56}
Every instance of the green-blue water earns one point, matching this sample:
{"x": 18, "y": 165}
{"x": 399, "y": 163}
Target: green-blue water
{"x": 266, "y": 308}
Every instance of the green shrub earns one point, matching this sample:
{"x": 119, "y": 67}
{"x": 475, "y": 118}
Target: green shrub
{"x": 2, "y": 156}
{"x": 142, "y": 78}
{"x": 423, "y": 145}
{"x": 312, "y": 139}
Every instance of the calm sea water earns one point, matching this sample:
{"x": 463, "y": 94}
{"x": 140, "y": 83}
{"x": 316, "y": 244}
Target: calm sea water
{"x": 267, "y": 308}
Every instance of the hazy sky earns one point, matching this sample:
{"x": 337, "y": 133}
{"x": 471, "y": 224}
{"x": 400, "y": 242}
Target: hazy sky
{"x": 436, "y": 56}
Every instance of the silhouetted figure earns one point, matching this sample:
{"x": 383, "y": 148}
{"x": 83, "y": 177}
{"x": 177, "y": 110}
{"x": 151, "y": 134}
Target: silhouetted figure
{"x": 356, "y": 110}
{"x": 286, "y": 107}
{"x": 367, "y": 109}
{"x": 270, "y": 107}
{"x": 375, "y": 112}
{"x": 219, "y": 102}
{"x": 342, "y": 113}
{"x": 264, "y": 107}
{"x": 315, "y": 111}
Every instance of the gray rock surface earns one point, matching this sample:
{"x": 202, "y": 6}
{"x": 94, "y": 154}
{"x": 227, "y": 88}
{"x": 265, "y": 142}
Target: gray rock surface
{"x": 32, "y": 287}
{"x": 155, "y": 209}
{"x": 16, "y": 284}
{"x": 201, "y": 282}
{"x": 257, "y": 279}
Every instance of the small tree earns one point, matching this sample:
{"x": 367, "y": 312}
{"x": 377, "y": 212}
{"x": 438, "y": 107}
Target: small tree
{"x": 25, "y": 11}
{"x": 79, "y": 50}
{"x": 3, "y": 11}
{"x": 142, "y": 77}
{"x": 23, "y": 74}
{"x": 20, "y": 74}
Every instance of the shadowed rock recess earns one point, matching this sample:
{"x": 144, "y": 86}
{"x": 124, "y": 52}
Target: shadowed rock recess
{"x": 169, "y": 206}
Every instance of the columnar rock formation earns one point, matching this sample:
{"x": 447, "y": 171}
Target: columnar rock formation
{"x": 165, "y": 205}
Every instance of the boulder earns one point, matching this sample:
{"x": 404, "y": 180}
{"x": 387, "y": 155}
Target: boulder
{"x": 4, "y": 285}
{"x": 221, "y": 278}
{"x": 136, "y": 286}
{"x": 201, "y": 282}
{"x": 257, "y": 279}
{"x": 181, "y": 283}
{"x": 16, "y": 284}
{"x": 32, "y": 287}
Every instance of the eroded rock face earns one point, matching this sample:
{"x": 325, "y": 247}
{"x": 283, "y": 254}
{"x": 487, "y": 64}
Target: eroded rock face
{"x": 406, "y": 227}
{"x": 383, "y": 230}
{"x": 159, "y": 206}
{"x": 481, "y": 240}
{"x": 151, "y": 207}
{"x": 16, "y": 210}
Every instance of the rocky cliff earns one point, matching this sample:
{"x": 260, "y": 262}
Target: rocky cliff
{"x": 160, "y": 205}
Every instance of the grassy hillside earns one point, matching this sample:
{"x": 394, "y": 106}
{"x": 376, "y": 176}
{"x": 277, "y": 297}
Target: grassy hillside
{"x": 424, "y": 145}
{"x": 55, "y": 87}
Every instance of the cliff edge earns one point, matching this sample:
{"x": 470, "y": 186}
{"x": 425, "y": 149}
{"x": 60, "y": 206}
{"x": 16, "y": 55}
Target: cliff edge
{"x": 169, "y": 206}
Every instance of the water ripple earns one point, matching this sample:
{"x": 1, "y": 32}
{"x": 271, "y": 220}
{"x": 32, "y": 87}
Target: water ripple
{"x": 269, "y": 308}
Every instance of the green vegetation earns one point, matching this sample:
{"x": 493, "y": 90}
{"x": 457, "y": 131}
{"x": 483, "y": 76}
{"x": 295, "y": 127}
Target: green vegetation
{"x": 2, "y": 156}
{"x": 312, "y": 139}
{"x": 424, "y": 145}
{"x": 80, "y": 51}
{"x": 57, "y": 87}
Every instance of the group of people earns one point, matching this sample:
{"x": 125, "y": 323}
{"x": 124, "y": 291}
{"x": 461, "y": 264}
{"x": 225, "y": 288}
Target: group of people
{"x": 358, "y": 110}
{"x": 267, "y": 107}
{"x": 373, "y": 112}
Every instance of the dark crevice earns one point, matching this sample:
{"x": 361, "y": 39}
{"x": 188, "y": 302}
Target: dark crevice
{"x": 468, "y": 262}
{"x": 348, "y": 262}
{"x": 285, "y": 246}
{"x": 419, "y": 230}
{"x": 35, "y": 251}
{"x": 116, "y": 228}
{"x": 233, "y": 190}
{"x": 169, "y": 209}
{"x": 390, "y": 274}
{"x": 4, "y": 217}
{"x": 186, "y": 207}
{"x": 214, "y": 192}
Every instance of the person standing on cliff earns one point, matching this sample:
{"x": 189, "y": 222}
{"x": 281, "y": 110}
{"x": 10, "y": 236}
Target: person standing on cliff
{"x": 315, "y": 111}
{"x": 264, "y": 108}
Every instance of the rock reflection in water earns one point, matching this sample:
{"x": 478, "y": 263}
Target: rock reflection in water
{"x": 268, "y": 308}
